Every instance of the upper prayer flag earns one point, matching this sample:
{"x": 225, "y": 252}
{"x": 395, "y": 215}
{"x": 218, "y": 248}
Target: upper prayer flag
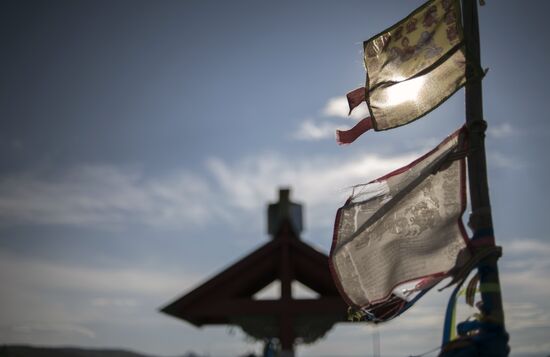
{"x": 412, "y": 67}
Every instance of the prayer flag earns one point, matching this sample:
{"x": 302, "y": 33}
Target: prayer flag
{"x": 402, "y": 227}
{"x": 412, "y": 67}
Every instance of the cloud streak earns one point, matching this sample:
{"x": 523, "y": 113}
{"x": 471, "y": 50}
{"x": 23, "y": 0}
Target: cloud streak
{"x": 31, "y": 273}
{"x": 110, "y": 196}
{"x": 102, "y": 195}
{"x": 56, "y": 328}
{"x": 501, "y": 131}
{"x": 319, "y": 182}
{"x": 338, "y": 107}
{"x": 320, "y": 128}
{"x": 57, "y": 301}
{"x": 310, "y": 130}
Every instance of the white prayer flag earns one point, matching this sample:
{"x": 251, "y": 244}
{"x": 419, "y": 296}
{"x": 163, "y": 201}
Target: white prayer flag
{"x": 402, "y": 227}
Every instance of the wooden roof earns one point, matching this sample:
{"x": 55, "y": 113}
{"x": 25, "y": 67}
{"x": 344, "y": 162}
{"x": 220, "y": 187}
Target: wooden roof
{"x": 229, "y": 294}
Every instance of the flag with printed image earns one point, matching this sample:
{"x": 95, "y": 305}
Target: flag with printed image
{"x": 412, "y": 68}
{"x": 405, "y": 226}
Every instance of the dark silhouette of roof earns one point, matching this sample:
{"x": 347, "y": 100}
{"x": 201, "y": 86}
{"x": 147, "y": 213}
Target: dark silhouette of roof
{"x": 227, "y": 298}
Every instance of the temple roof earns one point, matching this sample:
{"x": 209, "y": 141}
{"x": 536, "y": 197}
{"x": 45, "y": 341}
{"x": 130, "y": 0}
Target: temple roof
{"x": 227, "y": 298}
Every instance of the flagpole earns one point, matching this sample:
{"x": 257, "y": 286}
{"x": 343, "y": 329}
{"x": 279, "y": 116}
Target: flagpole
{"x": 480, "y": 219}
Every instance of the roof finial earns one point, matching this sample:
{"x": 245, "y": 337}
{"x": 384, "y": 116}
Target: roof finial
{"x": 282, "y": 211}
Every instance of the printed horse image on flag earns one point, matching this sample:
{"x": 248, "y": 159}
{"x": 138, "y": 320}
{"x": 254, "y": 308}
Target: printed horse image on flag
{"x": 412, "y": 68}
{"x": 402, "y": 227}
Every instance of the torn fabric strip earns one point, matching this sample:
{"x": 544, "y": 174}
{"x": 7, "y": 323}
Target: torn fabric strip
{"x": 402, "y": 227}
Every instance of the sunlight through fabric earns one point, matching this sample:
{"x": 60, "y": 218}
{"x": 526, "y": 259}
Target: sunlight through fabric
{"x": 404, "y": 92}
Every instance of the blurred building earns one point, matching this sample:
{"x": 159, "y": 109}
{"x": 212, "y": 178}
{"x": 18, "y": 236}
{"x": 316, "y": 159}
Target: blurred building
{"x": 228, "y": 298}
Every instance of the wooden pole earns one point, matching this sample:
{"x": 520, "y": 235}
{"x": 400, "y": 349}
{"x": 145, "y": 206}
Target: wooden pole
{"x": 480, "y": 219}
{"x": 286, "y": 330}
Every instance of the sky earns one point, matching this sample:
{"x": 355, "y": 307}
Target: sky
{"x": 141, "y": 141}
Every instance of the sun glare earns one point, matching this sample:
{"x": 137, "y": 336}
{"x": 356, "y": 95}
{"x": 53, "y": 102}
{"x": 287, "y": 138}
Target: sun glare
{"x": 405, "y": 91}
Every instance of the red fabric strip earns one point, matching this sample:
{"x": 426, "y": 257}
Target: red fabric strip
{"x": 349, "y": 136}
{"x": 429, "y": 281}
{"x": 355, "y": 97}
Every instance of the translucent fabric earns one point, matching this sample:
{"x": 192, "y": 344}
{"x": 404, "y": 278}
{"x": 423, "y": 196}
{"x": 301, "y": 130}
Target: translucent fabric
{"x": 402, "y": 227}
{"x": 415, "y": 65}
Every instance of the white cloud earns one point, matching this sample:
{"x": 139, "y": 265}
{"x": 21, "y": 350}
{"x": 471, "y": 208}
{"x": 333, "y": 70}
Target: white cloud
{"x": 532, "y": 348}
{"x": 310, "y": 130}
{"x": 524, "y": 272}
{"x": 524, "y": 315}
{"x": 338, "y": 107}
{"x": 30, "y": 274}
{"x": 526, "y": 279}
{"x": 504, "y": 161}
{"x": 115, "y": 302}
{"x": 102, "y": 196}
{"x": 108, "y": 196}
{"x": 51, "y": 301}
{"x": 56, "y": 328}
{"x": 527, "y": 246}
{"x": 318, "y": 182}
{"x": 501, "y": 131}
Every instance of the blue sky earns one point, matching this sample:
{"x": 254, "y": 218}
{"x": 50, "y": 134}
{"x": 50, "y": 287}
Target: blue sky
{"x": 141, "y": 141}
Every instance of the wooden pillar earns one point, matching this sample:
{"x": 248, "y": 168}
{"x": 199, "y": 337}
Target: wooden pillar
{"x": 480, "y": 219}
{"x": 286, "y": 331}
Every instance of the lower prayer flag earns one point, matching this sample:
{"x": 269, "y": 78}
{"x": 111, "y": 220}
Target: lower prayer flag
{"x": 400, "y": 228}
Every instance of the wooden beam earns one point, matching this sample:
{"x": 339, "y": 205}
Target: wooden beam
{"x": 234, "y": 274}
{"x": 233, "y": 307}
{"x": 286, "y": 329}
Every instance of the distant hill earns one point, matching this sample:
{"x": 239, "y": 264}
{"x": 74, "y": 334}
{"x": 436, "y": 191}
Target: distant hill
{"x": 28, "y": 351}
{"x": 34, "y": 351}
